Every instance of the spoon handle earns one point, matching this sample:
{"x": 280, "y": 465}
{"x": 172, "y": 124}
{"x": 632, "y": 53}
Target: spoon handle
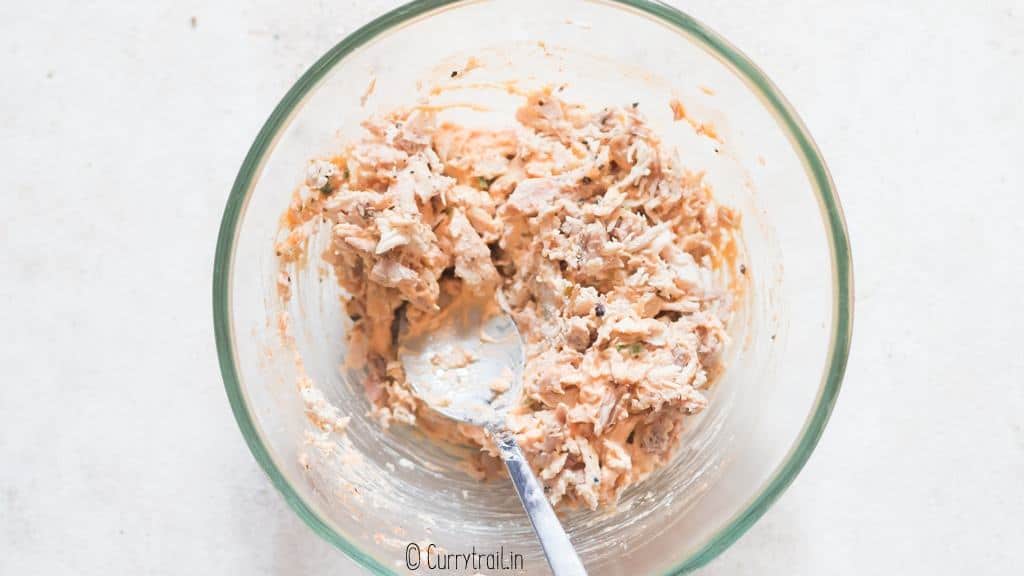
{"x": 558, "y": 548}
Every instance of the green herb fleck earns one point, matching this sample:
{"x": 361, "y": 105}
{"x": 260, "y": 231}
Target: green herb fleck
{"x": 484, "y": 183}
{"x": 635, "y": 348}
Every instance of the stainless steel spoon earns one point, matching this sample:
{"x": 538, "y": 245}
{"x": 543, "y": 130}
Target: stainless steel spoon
{"x": 470, "y": 368}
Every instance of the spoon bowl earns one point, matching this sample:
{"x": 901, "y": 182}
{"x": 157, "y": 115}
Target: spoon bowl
{"x": 467, "y": 364}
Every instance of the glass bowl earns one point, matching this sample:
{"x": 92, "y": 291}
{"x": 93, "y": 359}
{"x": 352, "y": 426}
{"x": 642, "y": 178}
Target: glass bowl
{"x": 377, "y": 495}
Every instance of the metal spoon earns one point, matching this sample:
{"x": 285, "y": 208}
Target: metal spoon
{"x": 469, "y": 367}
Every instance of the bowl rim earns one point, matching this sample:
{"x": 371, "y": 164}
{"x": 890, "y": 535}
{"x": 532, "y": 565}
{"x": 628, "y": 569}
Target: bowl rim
{"x": 756, "y": 81}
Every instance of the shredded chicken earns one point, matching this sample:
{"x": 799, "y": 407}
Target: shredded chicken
{"x": 603, "y": 246}
{"x": 455, "y": 358}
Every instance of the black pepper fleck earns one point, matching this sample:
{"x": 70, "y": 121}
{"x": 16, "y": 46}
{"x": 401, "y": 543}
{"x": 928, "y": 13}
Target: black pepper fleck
{"x": 743, "y": 269}
{"x": 455, "y": 73}
{"x": 599, "y": 310}
{"x": 636, "y": 104}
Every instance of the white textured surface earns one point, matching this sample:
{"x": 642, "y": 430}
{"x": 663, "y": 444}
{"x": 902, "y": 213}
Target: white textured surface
{"x": 122, "y": 127}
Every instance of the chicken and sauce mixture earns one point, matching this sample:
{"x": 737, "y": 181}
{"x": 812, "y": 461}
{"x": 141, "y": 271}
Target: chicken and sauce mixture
{"x": 604, "y": 247}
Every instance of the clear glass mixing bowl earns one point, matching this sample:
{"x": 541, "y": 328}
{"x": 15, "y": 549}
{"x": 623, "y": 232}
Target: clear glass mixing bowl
{"x": 371, "y": 493}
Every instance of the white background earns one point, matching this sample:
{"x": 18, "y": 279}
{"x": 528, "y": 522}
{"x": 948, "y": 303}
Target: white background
{"x": 122, "y": 127}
